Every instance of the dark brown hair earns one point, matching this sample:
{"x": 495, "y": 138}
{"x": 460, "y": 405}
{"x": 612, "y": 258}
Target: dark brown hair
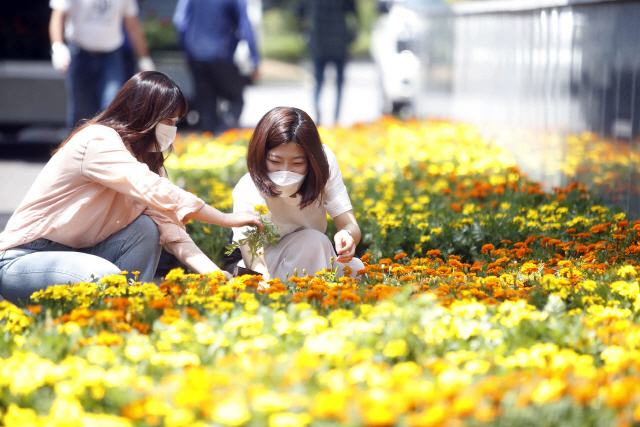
{"x": 284, "y": 125}
{"x": 144, "y": 100}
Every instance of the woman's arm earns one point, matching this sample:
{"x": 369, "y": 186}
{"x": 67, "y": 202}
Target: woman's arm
{"x": 347, "y": 237}
{"x": 60, "y": 56}
{"x": 190, "y": 255}
{"x": 259, "y": 265}
{"x": 211, "y": 215}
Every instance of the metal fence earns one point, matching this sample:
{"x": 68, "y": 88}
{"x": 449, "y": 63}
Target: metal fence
{"x": 556, "y": 82}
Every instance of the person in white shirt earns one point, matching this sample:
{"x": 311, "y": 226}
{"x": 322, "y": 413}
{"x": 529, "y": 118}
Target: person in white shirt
{"x": 299, "y": 180}
{"x": 86, "y": 40}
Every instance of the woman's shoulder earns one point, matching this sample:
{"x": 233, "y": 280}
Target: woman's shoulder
{"x": 245, "y": 184}
{"x": 94, "y": 132}
{"x": 331, "y": 156}
{"x": 245, "y": 190}
{"x": 245, "y": 180}
{"x": 99, "y": 130}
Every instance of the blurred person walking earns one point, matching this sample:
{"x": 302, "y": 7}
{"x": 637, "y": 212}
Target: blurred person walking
{"x": 86, "y": 40}
{"x": 209, "y": 34}
{"x": 329, "y": 39}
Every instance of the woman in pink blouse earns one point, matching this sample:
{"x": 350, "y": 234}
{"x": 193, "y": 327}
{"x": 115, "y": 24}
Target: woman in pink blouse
{"x": 102, "y": 204}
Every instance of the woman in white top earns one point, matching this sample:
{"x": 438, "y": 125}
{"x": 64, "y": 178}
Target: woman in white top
{"x": 298, "y": 179}
{"x": 102, "y": 203}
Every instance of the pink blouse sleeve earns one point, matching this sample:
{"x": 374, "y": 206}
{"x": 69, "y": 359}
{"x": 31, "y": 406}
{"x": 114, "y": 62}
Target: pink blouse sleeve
{"x": 107, "y": 161}
{"x": 171, "y": 230}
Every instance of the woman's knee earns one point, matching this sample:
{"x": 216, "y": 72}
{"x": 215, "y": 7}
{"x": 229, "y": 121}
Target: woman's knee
{"x": 25, "y": 276}
{"x": 313, "y": 237}
{"x": 147, "y": 232}
{"x": 145, "y": 225}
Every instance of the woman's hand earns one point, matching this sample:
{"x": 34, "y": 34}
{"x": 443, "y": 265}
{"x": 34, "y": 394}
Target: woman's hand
{"x": 238, "y": 219}
{"x": 345, "y": 246}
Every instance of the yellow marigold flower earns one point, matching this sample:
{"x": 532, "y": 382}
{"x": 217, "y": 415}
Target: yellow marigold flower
{"x": 232, "y": 411}
{"x": 548, "y": 391}
{"x": 588, "y": 285}
{"x": 183, "y": 358}
{"x": 66, "y": 408}
{"x": 627, "y": 272}
{"x": 101, "y": 355}
{"x": 116, "y": 280}
{"x": 330, "y": 404}
{"x": 529, "y": 267}
{"x": 265, "y": 400}
{"x": 395, "y": 348}
{"x": 107, "y": 338}
{"x": 175, "y": 274}
{"x": 620, "y": 216}
{"x": 179, "y": 417}
{"x": 17, "y": 416}
{"x": 261, "y": 209}
{"x": 289, "y": 419}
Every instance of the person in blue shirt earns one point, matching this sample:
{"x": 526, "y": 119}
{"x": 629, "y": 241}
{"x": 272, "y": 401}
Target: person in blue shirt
{"x": 209, "y": 34}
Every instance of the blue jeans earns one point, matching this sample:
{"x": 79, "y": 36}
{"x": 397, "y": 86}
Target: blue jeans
{"x": 92, "y": 82}
{"x": 37, "y": 265}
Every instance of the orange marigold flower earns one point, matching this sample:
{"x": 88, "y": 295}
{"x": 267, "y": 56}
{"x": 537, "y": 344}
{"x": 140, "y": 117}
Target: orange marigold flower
{"x": 487, "y": 248}
{"x": 143, "y": 328}
{"x": 108, "y": 316}
{"x": 161, "y": 303}
{"x": 598, "y": 228}
{"x": 193, "y": 313}
{"x": 35, "y": 309}
{"x": 434, "y": 252}
{"x": 365, "y": 257}
{"x": 313, "y": 295}
{"x": 399, "y": 256}
{"x": 118, "y": 303}
{"x": 122, "y": 327}
{"x": 456, "y": 207}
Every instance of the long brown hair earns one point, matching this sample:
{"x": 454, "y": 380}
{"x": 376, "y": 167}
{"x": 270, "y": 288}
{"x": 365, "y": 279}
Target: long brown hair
{"x": 144, "y": 100}
{"x": 283, "y": 125}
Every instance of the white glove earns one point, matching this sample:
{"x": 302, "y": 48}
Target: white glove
{"x": 60, "y": 56}
{"x": 146, "y": 64}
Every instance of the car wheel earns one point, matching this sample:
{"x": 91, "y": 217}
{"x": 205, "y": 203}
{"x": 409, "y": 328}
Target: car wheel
{"x": 404, "y": 110}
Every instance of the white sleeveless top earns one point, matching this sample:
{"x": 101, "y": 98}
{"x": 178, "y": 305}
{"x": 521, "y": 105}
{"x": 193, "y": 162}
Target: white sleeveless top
{"x": 285, "y": 213}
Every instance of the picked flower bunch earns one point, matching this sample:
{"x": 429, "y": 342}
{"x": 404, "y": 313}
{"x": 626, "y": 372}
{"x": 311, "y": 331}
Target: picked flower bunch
{"x": 255, "y": 239}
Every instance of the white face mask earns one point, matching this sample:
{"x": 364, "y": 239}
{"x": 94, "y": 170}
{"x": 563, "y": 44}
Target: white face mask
{"x": 287, "y": 182}
{"x": 165, "y": 135}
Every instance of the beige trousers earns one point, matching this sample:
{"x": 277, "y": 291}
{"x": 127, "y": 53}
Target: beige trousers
{"x": 305, "y": 250}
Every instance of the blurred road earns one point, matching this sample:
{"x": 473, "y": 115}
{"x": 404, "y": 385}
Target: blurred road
{"x": 280, "y": 85}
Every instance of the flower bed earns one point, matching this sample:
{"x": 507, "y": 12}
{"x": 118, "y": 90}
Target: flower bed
{"x": 484, "y": 301}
